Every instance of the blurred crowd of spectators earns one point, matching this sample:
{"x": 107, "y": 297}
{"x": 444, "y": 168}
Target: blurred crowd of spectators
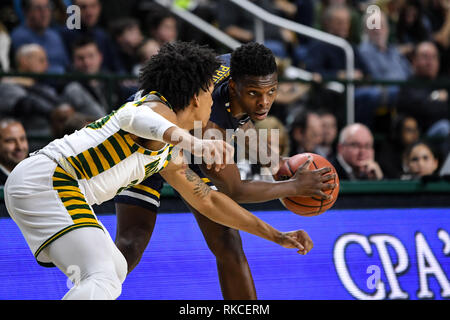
{"x": 401, "y": 131}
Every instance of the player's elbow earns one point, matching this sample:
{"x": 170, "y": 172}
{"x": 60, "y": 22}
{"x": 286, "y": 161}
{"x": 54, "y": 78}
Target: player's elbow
{"x": 205, "y": 205}
{"x": 210, "y": 204}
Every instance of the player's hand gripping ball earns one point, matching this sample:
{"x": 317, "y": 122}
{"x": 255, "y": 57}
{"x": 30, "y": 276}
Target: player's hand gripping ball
{"x": 308, "y": 206}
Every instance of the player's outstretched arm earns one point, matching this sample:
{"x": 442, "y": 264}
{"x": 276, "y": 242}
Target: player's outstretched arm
{"x": 221, "y": 209}
{"x": 157, "y": 122}
{"x": 304, "y": 183}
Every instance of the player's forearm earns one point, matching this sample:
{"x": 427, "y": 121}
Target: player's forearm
{"x": 146, "y": 123}
{"x": 229, "y": 213}
{"x": 181, "y": 137}
{"x": 253, "y": 191}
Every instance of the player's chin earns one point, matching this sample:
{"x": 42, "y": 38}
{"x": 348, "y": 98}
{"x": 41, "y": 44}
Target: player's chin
{"x": 259, "y": 116}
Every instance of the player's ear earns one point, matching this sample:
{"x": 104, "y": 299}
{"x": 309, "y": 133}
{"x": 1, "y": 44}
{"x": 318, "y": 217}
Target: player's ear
{"x": 232, "y": 86}
{"x": 195, "y": 102}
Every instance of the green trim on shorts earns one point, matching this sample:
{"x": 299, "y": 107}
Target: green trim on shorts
{"x": 60, "y": 234}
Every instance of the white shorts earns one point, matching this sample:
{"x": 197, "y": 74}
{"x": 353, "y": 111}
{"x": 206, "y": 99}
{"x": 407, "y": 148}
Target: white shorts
{"x": 46, "y": 202}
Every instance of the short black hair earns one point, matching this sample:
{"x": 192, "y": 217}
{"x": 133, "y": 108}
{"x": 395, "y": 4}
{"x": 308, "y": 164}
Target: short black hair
{"x": 252, "y": 59}
{"x": 119, "y": 26}
{"x": 301, "y": 119}
{"x": 83, "y": 41}
{"x": 179, "y": 71}
{"x": 155, "y": 16}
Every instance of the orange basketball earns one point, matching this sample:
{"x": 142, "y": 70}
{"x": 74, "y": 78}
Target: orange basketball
{"x": 307, "y": 206}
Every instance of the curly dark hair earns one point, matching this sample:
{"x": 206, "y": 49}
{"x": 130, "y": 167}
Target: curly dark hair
{"x": 179, "y": 71}
{"x": 252, "y": 59}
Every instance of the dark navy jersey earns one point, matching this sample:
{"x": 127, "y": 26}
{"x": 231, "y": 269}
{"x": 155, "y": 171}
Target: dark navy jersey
{"x": 148, "y": 197}
{"x": 220, "y": 111}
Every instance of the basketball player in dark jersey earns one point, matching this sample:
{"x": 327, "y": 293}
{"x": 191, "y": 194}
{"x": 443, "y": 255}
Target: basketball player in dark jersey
{"x": 245, "y": 89}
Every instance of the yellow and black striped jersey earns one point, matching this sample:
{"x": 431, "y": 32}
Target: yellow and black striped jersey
{"x": 104, "y": 158}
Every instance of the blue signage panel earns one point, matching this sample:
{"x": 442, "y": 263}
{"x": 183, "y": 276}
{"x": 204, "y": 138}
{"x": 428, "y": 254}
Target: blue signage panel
{"x": 357, "y": 254}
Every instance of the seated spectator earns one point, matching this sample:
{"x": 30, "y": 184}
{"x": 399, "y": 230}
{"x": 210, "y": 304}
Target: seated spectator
{"x": 161, "y": 25}
{"x": 328, "y": 60}
{"x": 273, "y": 123}
{"x": 355, "y": 159}
{"x": 392, "y": 152}
{"x": 147, "y": 49}
{"x": 13, "y": 146}
{"x": 327, "y": 148}
{"x": 26, "y": 98}
{"x": 412, "y": 26}
{"x": 65, "y": 120}
{"x": 421, "y": 161}
{"x": 38, "y": 14}
{"x": 239, "y": 24}
{"x": 355, "y": 16}
{"x": 438, "y": 14}
{"x": 90, "y": 11}
{"x": 382, "y": 59}
{"x": 290, "y": 94}
{"x": 306, "y": 132}
{"x": 383, "y": 62}
{"x": 128, "y": 37}
{"x": 428, "y": 104}
{"x": 250, "y": 170}
{"x": 87, "y": 96}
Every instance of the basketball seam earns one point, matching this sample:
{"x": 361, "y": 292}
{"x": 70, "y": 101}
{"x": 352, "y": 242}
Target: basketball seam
{"x": 289, "y": 168}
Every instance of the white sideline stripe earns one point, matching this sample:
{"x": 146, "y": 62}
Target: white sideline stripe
{"x": 139, "y": 196}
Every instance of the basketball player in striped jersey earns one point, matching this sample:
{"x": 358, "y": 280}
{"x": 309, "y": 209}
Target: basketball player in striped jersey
{"x": 50, "y": 194}
{"x": 245, "y": 88}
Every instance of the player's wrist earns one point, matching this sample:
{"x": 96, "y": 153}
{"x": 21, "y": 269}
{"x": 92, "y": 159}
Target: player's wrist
{"x": 289, "y": 188}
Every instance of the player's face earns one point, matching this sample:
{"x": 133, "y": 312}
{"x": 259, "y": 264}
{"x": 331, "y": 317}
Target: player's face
{"x": 421, "y": 161}
{"x": 205, "y": 104}
{"x": 255, "y": 95}
{"x": 13, "y": 144}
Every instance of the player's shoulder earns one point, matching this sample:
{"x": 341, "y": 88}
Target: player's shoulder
{"x": 155, "y": 101}
{"x": 223, "y": 72}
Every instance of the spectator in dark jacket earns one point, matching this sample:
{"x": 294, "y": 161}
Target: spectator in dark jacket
{"x": 90, "y": 13}
{"x": 355, "y": 159}
{"x": 428, "y": 104}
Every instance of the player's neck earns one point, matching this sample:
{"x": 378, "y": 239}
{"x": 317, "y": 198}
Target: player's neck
{"x": 185, "y": 119}
{"x": 236, "y": 110}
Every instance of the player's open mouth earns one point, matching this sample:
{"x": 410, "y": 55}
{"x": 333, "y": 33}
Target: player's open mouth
{"x": 261, "y": 115}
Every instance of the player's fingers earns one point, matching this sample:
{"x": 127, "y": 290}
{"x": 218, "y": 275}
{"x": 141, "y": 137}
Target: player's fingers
{"x": 324, "y": 196}
{"x": 294, "y": 243}
{"x": 328, "y": 177}
{"x": 328, "y": 186}
{"x": 306, "y": 164}
{"x": 229, "y": 152}
{"x": 208, "y": 157}
{"x": 323, "y": 170}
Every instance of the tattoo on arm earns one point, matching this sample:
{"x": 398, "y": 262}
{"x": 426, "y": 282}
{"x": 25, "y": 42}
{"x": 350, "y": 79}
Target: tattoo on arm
{"x": 201, "y": 189}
